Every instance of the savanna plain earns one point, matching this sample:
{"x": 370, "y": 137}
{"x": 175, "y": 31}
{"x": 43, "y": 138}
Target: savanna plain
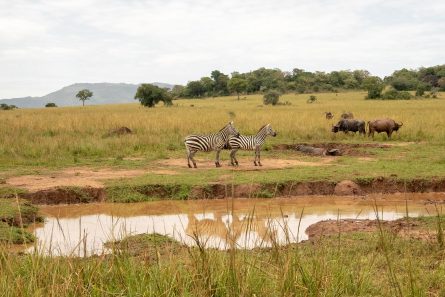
{"x": 74, "y": 152}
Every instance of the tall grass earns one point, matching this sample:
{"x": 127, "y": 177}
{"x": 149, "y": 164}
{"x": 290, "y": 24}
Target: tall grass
{"x": 65, "y": 135}
{"x": 353, "y": 264}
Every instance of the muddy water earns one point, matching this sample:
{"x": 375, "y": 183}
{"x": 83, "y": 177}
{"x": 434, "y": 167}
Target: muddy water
{"x": 242, "y": 223}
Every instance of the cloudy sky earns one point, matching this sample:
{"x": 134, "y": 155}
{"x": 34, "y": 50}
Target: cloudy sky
{"x": 48, "y": 44}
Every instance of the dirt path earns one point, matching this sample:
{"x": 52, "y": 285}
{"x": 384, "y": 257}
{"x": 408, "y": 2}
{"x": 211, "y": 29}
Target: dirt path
{"x": 246, "y": 164}
{"x": 87, "y": 177}
{"x": 79, "y": 177}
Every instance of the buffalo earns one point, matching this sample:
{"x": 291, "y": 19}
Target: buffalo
{"x": 347, "y": 125}
{"x": 383, "y": 125}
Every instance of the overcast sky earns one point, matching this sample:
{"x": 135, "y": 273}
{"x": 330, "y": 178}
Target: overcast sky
{"x": 48, "y": 44}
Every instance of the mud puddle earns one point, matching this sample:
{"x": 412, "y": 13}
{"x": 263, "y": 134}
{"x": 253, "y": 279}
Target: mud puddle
{"x": 82, "y": 229}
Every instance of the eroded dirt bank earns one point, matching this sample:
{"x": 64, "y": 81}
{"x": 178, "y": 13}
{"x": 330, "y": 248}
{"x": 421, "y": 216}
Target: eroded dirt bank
{"x": 359, "y": 187}
{"x": 405, "y": 227}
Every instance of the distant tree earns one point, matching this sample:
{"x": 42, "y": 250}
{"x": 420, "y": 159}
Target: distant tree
{"x": 221, "y": 81}
{"x": 4, "y": 106}
{"x": 237, "y": 85}
{"x": 194, "y": 89}
{"x": 421, "y": 88}
{"x": 374, "y": 85}
{"x": 84, "y": 95}
{"x": 50, "y": 104}
{"x": 177, "y": 91}
{"x": 208, "y": 84}
{"x": 271, "y": 97}
{"x": 149, "y": 95}
{"x": 441, "y": 83}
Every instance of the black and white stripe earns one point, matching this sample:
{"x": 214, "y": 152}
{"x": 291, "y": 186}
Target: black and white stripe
{"x": 207, "y": 143}
{"x": 252, "y": 142}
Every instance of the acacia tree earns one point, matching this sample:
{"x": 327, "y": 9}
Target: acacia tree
{"x": 237, "y": 84}
{"x": 84, "y": 95}
{"x": 149, "y": 95}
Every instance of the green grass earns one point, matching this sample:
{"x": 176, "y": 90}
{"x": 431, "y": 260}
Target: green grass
{"x": 17, "y": 214}
{"x": 347, "y": 264}
{"x": 72, "y": 136}
{"x": 14, "y": 216}
{"x": 414, "y": 161}
{"x": 14, "y": 235}
{"x": 10, "y": 192}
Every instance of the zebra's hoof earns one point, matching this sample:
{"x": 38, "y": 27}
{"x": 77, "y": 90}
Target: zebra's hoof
{"x": 194, "y": 165}
{"x": 255, "y": 163}
{"x": 259, "y": 164}
{"x": 190, "y": 166}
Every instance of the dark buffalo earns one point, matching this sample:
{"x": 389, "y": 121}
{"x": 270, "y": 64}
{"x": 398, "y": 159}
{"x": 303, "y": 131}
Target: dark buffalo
{"x": 383, "y": 125}
{"x": 347, "y": 115}
{"x": 347, "y": 125}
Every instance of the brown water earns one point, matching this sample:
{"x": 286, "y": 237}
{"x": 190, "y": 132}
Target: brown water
{"x": 242, "y": 223}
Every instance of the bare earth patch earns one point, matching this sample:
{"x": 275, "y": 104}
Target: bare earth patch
{"x": 77, "y": 177}
{"x": 246, "y": 164}
{"x": 403, "y": 227}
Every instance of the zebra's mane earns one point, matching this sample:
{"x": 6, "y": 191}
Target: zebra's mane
{"x": 225, "y": 127}
{"x": 262, "y": 128}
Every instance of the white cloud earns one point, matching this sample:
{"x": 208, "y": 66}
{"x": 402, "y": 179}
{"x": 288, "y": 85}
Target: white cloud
{"x": 47, "y": 44}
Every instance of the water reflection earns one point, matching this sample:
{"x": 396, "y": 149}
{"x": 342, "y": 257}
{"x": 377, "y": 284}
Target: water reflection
{"x": 83, "y": 229}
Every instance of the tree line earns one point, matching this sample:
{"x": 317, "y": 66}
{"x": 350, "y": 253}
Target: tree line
{"x": 265, "y": 80}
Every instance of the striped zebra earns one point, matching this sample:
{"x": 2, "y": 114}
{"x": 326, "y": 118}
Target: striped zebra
{"x": 207, "y": 143}
{"x": 251, "y": 142}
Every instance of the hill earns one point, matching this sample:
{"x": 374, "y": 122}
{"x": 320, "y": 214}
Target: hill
{"x": 104, "y": 93}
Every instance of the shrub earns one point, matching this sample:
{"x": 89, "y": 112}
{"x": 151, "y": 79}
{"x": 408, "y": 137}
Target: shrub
{"x": 311, "y": 99}
{"x": 4, "y": 106}
{"x": 50, "y": 104}
{"x": 396, "y": 95}
{"x": 300, "y": 89}
{"x": 271, "y": 97}
{"x": 374, "y": 86}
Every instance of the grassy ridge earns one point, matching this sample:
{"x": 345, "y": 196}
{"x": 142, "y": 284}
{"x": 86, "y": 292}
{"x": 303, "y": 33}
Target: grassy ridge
{"x": 69, "y": 136}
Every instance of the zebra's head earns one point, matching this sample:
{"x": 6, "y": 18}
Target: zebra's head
{"x": 270, "y": 131}
{"x": 231, "y": 130}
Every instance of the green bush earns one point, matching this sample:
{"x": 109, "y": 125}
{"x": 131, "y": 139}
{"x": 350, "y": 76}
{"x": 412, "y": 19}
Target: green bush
{"x": 50, "y": 104}
{"x": 271, "y": 97}
{"x": 4, "y": 106}
{"x": 396, "y": 95}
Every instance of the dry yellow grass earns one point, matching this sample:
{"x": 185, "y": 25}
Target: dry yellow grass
{"x": 60, "y": 135}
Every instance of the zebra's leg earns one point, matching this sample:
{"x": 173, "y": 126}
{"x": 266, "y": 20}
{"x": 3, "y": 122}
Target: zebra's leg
{"x": 191, "y": 155}
{"x": 188, "y": 156}
{"x": 233, "y": 154}
{"x": 258, "y": 150}
{"x": 254, "y": 161}
{"x": 217, "y": 158}
{"x": 232, "y": 162}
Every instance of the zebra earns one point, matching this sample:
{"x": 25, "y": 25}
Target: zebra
{"x": 252, "y": 142}
{"x": 207, "y": 143}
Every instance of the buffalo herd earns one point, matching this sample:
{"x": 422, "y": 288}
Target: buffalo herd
{"x": 347, "y": 124}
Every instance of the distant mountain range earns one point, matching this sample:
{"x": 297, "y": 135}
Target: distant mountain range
{"x": 103, "y": 93}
